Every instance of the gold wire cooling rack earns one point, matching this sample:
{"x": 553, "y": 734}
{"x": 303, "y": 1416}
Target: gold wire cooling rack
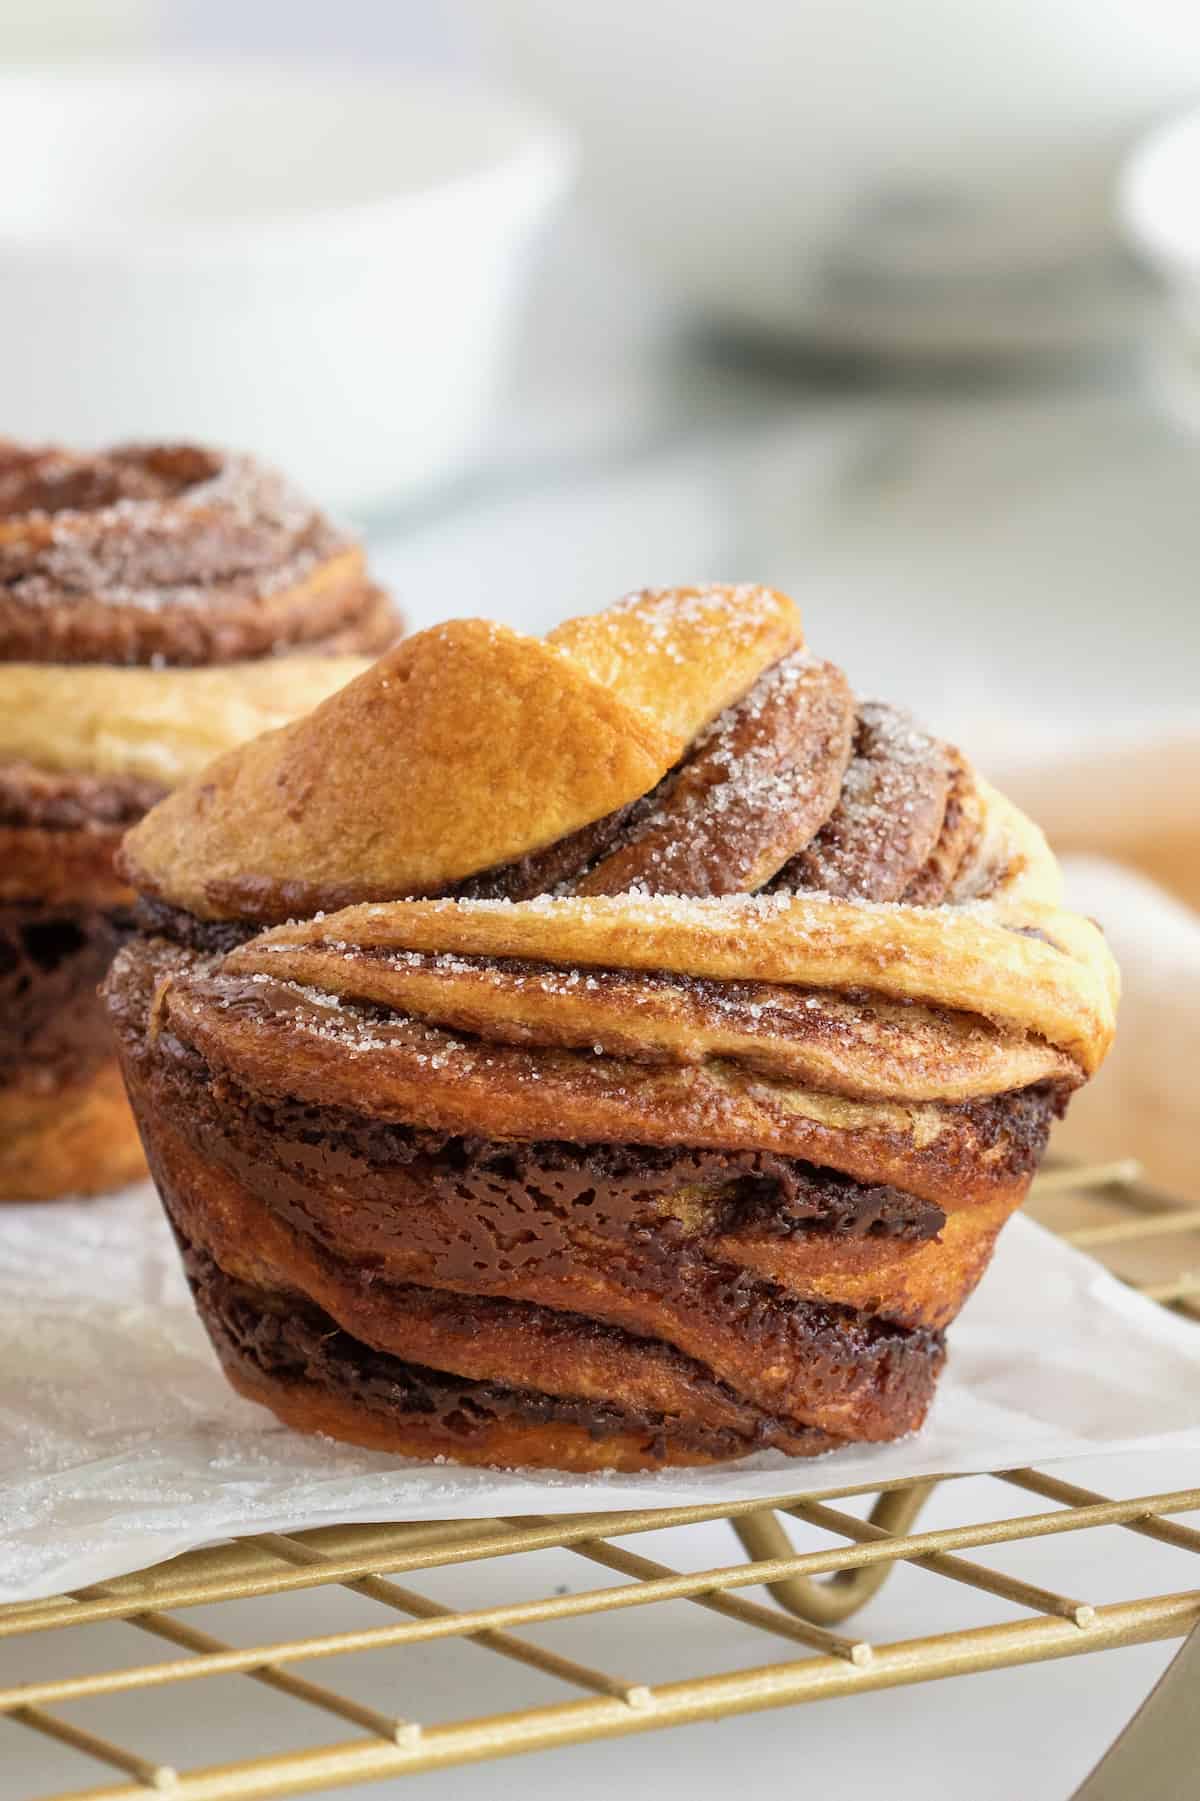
{"x": 1151, "y": 1240}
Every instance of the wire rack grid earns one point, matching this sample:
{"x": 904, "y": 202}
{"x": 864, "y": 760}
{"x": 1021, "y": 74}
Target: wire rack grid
{"x": 785, "y": 1604}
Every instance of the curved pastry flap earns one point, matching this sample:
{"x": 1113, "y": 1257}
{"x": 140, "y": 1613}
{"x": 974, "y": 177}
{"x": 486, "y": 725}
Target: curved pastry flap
{"x": 684, "y": 654}
{"x": 467, "y": 745}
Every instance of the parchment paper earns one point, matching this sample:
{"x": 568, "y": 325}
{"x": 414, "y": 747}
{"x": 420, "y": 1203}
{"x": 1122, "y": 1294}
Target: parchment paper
{"x": 120, "y": 1443}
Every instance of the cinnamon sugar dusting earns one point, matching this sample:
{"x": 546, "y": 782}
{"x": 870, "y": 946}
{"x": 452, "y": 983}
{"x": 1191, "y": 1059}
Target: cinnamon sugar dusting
{"x": 889, "y": 812}
{"x": 673, "y": 618}
{"x": 170, "y": 554}
{"x": 756, "y": 783}
{"x": 162, "y": 526}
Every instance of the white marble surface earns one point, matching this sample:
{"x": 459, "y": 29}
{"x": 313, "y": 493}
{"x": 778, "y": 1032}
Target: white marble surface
{"x": 1013, "y": 556}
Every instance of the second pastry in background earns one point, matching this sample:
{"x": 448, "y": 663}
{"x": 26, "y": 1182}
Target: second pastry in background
{"x": 158, "y": 605}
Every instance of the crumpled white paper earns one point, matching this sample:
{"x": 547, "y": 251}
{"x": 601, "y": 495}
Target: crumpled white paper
{"x": 120, "y": 1443}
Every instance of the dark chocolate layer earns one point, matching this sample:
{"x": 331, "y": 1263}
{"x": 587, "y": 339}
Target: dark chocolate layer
{"x": 782, "y": 1194}
{"x": 658, "y": 1243}
{"x": 287, "y": 1339}
{"x": 156, "y": 919}
{"x": 559, "y": 864}
{"x": 54, "y": 800}
{"x": 747, "y": 1190}
{"x": 52, "y": 961}
{"x": 757, "y": 1190}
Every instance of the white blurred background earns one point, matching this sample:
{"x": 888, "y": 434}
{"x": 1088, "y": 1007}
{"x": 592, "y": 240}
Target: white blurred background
{"x": 884, "y": 305}
{"x": 840, "y": 300}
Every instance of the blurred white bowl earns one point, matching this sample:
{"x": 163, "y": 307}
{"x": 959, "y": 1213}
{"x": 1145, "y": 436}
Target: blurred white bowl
{"x": 1160, "y": 203}
{"x": 934, "y": 176}
{"x": 319, "y": 266}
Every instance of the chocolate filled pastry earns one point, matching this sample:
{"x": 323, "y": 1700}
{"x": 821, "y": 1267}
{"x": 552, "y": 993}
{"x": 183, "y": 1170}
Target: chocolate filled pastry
{"x": 158, "y": 605}
{"x": 612, "y": 1051}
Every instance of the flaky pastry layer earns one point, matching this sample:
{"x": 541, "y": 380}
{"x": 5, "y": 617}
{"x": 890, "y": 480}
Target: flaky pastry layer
{"x": 683, "y": 654}
{"x": 164, "y": 725}
{"x": 1058, "y": 986}
{"x": 283, "y": 1040}
{"x": 875, "y": 1050}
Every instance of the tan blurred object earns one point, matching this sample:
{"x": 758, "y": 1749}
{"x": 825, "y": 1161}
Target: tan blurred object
{"x": 1126, "y": 820}
{"x": 36, "y": 29}
{"x": 1144, "y": 1101}
{"x": 1138, "y": 803}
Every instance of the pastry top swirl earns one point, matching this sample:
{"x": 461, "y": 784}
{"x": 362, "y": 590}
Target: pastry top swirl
{"x": 171, "y": 554}
{"x": 666, "y": 837}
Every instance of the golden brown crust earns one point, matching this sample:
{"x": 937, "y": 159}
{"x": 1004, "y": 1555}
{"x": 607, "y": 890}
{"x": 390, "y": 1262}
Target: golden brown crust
{"x": 74, "y": 1138}
{"x": 869, "y": 1048}
{"x": 683, "y": 654}
{"x": 1059, "y": 986}
{"x": 919, "y": 1284}
{"x": 1004, "y": 855}
{"x": 457, "y": 780}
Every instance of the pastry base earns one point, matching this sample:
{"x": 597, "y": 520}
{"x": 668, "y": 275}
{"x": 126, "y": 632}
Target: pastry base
{"x": 307, "y": 1408}
{"x": 291, "y": 1357}
{"x": 73, "y": 1138}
